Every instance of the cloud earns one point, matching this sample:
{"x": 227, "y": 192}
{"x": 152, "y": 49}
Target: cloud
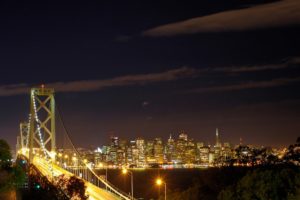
{"x": 271, "y": 15}
{"x": 251, "y": 68}
{"x": 288, "y": 63}
{"x": 247, "y": 85}
{"x": 94, "y": 85}
{"x": 142, "y": 79}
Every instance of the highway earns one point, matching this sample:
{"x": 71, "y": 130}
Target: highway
{"x": 94, "y": 192}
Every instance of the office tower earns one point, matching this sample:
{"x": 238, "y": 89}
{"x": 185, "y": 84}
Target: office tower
{"x": 218, "y": 142}
{"x": 150, "y": 152}
{"x": 140, "y": 144}
{"x": 170, "y": 150}
{"x": 158, "y": 150}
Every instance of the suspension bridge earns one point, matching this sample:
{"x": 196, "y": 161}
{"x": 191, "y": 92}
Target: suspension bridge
{"x": 37, "y": 145}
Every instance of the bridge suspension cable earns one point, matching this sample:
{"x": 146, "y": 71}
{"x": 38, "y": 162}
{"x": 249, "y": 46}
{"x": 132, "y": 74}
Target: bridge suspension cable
{"x": 107, "y": 184}
{"x": 41, "y": 135}
{"x": 27, "y": 137}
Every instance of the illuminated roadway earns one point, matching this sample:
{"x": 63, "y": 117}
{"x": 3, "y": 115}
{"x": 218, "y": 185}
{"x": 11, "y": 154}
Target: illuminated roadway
{"x": 42, "y": 132}
{"x": 94, "y": 192}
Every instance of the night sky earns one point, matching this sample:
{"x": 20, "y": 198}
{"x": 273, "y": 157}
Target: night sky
{"x": 154, "y": 68}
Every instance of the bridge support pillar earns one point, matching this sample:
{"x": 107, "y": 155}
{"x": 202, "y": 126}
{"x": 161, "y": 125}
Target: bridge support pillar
{"x": 42, "y": 121}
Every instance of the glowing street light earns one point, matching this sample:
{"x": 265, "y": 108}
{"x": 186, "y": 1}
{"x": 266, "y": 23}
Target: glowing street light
{"x": 66, "y": 158}
{"x": 126, "y": 171}
{"x": 159, "y": 182}
{"x": 60, "y": 155}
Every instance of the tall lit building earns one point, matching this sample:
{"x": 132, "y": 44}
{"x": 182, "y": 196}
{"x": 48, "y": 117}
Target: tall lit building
{"x": 204, "y": 154}
{"x": 112, "y": 155}
{"x": 129, "y": 156}
{"x": 150, "y": 152}
{"x": 114, "y": 141}
{"x": 140, "y": 144}
{"x": 170, "y": 150}
{"x": 98, "y": 157}
{"x": 227, "y": 152}
{"x": 198, "y": 147}
{"x": 183, "y": 136}
{"x": 181, "y": 145}
{"x": 113, "y": 150}
{"x": 158, "y": 150}
{"x": 121, "y": 156}
{"x": 133, "y": 155}
{"x": 216, "y": 151}
{"x": 190, "y": 152}
{"x": 218, "y": 142}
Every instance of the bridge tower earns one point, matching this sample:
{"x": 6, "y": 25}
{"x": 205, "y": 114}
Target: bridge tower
{"x": 24, "y": 132}
{"x": 42, "y": 120}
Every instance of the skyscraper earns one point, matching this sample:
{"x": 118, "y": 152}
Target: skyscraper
{"x": 150, "y": 152}
{"x": 114, "y": 141}
{"x": 181, "y": 145}
{"x": 183, "y": 136}
{"x": 158, "y": 150}
{"x": 140, "y": 144}
{"x": 218, "y": 142}
{"x": 170, "y": 150}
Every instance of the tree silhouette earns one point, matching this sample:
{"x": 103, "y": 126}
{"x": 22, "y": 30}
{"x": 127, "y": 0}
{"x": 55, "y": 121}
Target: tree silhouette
{"x": 72, "y": 186}
{"x": 5, "y": 155}
{"x": 76, "y": 188}
{"x": 293, "y": 153}
{"x": 276, "y": 183}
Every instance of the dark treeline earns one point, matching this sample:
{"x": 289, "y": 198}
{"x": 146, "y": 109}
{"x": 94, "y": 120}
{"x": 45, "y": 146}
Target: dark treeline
{"x": 280, "y": 182}
{"x": 11, "y": 176}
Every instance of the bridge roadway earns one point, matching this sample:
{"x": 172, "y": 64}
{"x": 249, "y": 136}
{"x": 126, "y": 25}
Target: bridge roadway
{"x": 94, "y": 192}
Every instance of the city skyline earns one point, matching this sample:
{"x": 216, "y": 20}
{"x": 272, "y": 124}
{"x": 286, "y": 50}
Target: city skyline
{"x": 216, "y": 136}
{"x": 180, "y": 151}
{"x": 134, "y": 70}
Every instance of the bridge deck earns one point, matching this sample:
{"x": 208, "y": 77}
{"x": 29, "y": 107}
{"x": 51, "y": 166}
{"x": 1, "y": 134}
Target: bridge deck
{"x": 94, "y": 192}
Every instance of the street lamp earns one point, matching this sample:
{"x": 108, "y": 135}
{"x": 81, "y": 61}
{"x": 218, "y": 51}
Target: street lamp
{"x": 74, "y": 159}
{"x": 67, "y": 158}
{"x": 126, "y": 171}
{"x": 60, "y": 157}
{"x": 84, "y": 170}
{"x": 75, "y": 164}
{"x": 159, "y": 182}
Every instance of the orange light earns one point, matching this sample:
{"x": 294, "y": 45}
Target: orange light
{"x": 159, "y": 181}
{"x": 124, "y": 171}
